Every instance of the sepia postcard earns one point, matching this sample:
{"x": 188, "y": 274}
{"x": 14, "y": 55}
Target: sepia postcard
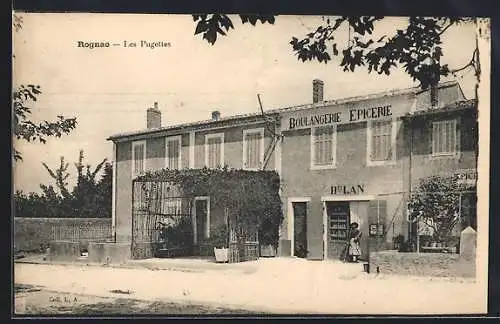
{"x": 250, "y": 165}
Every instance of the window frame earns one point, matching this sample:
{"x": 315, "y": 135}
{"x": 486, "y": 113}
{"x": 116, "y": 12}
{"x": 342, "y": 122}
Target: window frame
{"x": 177, "y": 138}
{"x": 134, "y": 144}
{"x": 259, "y": 131}
{"x": 207, "y": 138}
{"x": 369, "y": 139}
{"x": 456, "y": 146}
{"x": 333, "y": 165}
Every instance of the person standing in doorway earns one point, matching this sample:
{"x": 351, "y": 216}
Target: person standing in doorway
{"x": 354, "y": 239}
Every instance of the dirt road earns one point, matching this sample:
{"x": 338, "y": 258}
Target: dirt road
{"x": 278, "y": 286}
{"x": 32, "y": 300}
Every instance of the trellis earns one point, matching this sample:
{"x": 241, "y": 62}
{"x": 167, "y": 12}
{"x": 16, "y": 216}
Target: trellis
{"x": 161, "y": 203}
{"x": 156, "y": 204}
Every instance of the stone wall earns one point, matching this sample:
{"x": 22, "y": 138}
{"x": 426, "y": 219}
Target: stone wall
{"x": 422, "y": 264}
{"x": 30, "y": 234}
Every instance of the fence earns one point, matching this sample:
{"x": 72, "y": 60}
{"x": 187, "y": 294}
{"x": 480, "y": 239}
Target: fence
{"x": 32, "y": 234}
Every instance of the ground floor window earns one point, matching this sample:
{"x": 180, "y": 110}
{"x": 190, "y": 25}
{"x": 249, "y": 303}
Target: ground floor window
{"x": 338, "y": 226}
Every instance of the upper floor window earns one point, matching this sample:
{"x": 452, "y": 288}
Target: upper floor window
{"x": 381, "y": 141}
{"x": 323, "y": 146}
{"x": 138, "y": 158}
{"x": 444, "y": 137}
{"x": 214, "y": 150}
{"x": 173, "y": 152}
{"x": 253, "y": 148}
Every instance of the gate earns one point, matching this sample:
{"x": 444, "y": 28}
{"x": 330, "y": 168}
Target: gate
{"x": 158, "y": 207}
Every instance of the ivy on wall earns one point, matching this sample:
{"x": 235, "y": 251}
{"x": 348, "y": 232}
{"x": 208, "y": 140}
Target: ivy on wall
{"x": 251, "y": 198}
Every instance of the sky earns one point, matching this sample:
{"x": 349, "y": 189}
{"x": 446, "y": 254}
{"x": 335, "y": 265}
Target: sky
{"x": 109, "y": 89}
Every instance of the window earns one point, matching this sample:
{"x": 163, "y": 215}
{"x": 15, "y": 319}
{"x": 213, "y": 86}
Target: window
{"x": 138, "y": 158}
{"x": 173, "y": 152}
{"x": 214, "y": 150}
{"x": 323, "y": 147}
{"x": 338, "y": 226}
{"x": 253, "y": 148}
{"x": 381, "y": 141}
{"x": 444, "y": 137}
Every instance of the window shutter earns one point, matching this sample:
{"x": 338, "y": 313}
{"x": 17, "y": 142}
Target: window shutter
{"x": 429, "y": 130}
{"x": 372, "y": 211}
{"x": 382, "y": 210}
{"x": 457, "y": 135}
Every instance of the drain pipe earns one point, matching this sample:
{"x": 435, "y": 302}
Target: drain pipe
{"x": 113, "y": 195}
{"x": 410, "y": 180}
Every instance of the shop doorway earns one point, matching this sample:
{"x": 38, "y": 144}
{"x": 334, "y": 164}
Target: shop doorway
{"x": 299, "y": 229}
{"x": 338, "y": 220}
{"x": 202, "y": 218}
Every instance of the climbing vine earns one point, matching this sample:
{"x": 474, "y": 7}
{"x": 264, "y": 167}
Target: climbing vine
{"x": 250, "y": 198}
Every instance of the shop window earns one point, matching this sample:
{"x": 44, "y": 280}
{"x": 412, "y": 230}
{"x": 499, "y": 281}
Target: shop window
{"x": 323, "y": 147}
{"x": 253, "y": 148}
{"x": 138, "y": 158}
{"x": 381, "y": 141}
{"x": 173, "y": 149}
{"x": 214, "y": 150}
{"x": 445, "y": 137}
{"x": 338, "y": 221}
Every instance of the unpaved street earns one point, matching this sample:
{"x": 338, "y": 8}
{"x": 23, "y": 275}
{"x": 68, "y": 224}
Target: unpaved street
{"x": 32, "y": 300}
{"x": 277, "y": 286}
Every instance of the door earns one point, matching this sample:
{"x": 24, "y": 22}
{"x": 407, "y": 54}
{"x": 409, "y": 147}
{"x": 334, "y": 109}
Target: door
{"x": 338, "y": 219}
{"x": 202, "y": 219}
{"x": 359, "y": 214}
{"x": 299, "y": 229}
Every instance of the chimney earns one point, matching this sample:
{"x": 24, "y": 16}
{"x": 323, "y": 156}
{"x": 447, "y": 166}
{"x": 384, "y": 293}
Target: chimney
{"x": 317, "y": 91}
{"x": 215, "y": 115}
{"x": 153, "y": 117}
{"x": 434, "y": 96}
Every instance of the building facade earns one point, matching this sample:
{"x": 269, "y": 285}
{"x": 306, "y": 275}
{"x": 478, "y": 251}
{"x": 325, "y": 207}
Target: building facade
{"x": 339, "y": 161}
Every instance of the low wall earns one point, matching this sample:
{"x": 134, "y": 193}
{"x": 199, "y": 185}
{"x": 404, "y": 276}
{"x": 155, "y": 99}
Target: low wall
{"x": 64, "y": 251}
{"x": 421, "y": 264}
{"x": 30, "y": 234}
{"x": 109, "y": 253}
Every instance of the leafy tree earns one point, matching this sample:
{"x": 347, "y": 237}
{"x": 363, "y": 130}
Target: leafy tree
{"x": 26, "y": 129}
{"x": 85, "y": 192}
{"x": 60, "y": 175}
{"x": 436, "y": 202}
{"x": 417, "y": 48}
{"x": 104, "y": 191}
{"x": 90, "y": 197}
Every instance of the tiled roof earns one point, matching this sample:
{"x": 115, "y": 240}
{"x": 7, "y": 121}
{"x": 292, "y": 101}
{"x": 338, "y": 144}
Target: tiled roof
{"x": 271, "y": 112}
{"x": 456, "y": 106}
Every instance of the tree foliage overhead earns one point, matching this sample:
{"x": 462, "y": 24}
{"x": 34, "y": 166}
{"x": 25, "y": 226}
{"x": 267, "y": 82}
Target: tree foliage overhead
{"x": 416, "y": 48}
{"x": 23, "y": 127}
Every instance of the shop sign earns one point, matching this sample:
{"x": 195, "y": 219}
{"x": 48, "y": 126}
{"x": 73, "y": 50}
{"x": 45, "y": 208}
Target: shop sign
{"x": 337, "y": 117}
{"x": 377, "y": 229}
{"x": 467, "y": 177}
{"x": 347, "y": 189}
{"x": 425, "y": 226}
